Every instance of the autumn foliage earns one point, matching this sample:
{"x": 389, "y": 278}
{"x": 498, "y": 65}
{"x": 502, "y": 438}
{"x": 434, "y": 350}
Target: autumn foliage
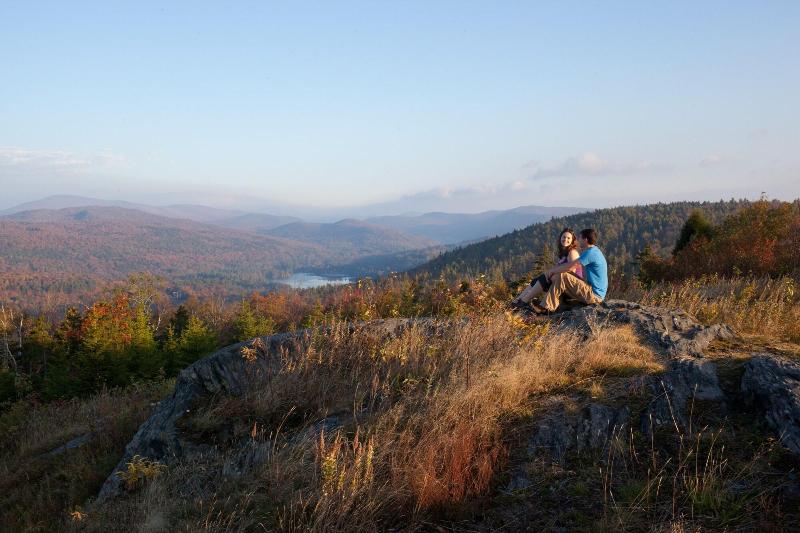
{"x": 760, "y": 240}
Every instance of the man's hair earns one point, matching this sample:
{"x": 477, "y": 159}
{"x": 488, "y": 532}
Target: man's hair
{"x": 590, "y": 235}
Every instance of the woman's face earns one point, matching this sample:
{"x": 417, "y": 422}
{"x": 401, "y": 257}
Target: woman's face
{"x": 566, "y": 239}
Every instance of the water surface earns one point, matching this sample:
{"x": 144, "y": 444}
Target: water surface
{"x": 303, "y": 280}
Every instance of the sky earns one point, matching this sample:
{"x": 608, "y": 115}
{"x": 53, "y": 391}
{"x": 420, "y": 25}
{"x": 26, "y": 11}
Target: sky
{"x": 402, "y": 106}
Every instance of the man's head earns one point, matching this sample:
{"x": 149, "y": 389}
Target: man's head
{"x": 588, "y": 237}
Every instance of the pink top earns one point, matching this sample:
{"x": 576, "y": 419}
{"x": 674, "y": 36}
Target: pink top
{"x": 578, "y": 268}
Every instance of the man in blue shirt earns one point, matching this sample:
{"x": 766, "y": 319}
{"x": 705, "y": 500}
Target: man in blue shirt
{"x": 592, "y": 290}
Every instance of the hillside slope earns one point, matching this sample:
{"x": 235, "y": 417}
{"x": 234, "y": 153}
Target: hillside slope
{"x": 484, "y": 424}
{"x": 623, "y": 233}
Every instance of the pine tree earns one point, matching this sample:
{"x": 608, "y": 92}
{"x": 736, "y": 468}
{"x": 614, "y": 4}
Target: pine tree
{"x": 145, "y": 360}
{"x": 179, "y": 320}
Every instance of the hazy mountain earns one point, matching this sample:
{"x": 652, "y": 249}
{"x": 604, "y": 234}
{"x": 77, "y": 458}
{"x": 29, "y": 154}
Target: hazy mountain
{"x": 450, "y": 228}
{"x": 75, "y": 251}
{"x": 256, "y": 222}
{"x": 352, "y": 237}
{"x": 198, "y": 213}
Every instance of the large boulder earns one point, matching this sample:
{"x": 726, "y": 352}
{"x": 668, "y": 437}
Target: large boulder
{"x": 772, "y": 383}
{"x": 687, "y": 380}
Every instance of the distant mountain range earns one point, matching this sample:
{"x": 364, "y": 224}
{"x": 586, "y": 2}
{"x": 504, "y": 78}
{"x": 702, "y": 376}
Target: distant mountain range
{"x": 198, "y": 213}
{"x": 451, "y": 228}
{"x": 409, "y": 231}
{"x": 76, "y": 250}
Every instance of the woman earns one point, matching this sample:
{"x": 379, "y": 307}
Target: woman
{"x": 567, "y": 251}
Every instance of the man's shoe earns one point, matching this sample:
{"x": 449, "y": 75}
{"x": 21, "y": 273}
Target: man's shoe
{"x": 538, "y": 309}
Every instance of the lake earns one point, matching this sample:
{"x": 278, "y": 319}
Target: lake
{"x": 303, "y": 280}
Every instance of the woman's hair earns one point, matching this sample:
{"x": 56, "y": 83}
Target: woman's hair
{"x": 562, "y": 251}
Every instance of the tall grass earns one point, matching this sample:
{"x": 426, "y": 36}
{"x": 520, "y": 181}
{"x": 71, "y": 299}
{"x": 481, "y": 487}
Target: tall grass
{"x": 38, "y": 488}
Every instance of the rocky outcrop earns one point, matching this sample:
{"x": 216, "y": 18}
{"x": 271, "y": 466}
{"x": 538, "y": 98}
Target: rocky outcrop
{"x": 772, "y": 383}
{"x": 672, "y": 330}
{"x": 690, "y": 377}
{"x": 227, "y": 371}
{"x": 232, "y": 371}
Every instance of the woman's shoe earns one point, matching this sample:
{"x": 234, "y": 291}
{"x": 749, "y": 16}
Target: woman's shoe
{"x": 517, "y": 305}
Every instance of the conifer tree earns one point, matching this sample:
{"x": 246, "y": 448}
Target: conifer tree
{"x": 195, "y": 342}
{"x": 695, "y": 226}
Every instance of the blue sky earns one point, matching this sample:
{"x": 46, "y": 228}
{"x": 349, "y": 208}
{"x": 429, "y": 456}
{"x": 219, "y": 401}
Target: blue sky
{"x": 460, "y": 106}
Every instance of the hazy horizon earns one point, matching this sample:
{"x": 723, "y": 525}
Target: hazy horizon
{"x": 376, "y": 108}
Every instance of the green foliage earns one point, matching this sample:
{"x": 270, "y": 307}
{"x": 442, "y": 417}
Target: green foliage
{"x": 247, "y": 324}
{"x": 696, "y": 226}
{"x": 762, "y": 239}
{"x": 179, "y": 321}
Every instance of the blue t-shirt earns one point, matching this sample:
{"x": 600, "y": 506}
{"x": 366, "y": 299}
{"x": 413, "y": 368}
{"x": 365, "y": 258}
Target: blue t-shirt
{"x": 595, "y": 270}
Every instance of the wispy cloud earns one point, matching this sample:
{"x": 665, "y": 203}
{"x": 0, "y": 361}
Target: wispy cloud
{"x": 711, "y": 160}
{"x": 588, "y": 164}
{"x": 26, "y": 162}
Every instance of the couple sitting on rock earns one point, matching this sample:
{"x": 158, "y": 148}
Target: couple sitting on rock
{"x": 581, "y": 276}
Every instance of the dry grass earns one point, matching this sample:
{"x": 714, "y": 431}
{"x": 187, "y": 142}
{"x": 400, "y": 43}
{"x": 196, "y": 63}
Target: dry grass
{"x": 39, "y": 491}
{"x": 762, "y": 306}
{"x": 423, "y": 419}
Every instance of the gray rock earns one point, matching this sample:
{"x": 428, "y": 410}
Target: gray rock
{"x": 672, "y": 330}
{"x": 598, "y": 425}
{"x": 689, "y": 379}
{"x": 772, "y": 383}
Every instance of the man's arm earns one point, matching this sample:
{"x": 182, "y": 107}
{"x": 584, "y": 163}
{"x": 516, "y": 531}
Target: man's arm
{"x": 562, "y": 267}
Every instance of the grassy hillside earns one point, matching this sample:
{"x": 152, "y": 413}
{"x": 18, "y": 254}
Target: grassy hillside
{"x": 623, "y": 231}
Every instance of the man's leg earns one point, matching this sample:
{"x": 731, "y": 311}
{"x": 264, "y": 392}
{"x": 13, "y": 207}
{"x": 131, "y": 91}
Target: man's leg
{"x": 572, "y": 285}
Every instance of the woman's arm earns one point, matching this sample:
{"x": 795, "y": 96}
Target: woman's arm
{"x": 571, "y": 258}
{"x": 569, "y": 265}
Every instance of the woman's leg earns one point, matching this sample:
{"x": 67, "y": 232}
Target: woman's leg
{"x": 531, "y": 292}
